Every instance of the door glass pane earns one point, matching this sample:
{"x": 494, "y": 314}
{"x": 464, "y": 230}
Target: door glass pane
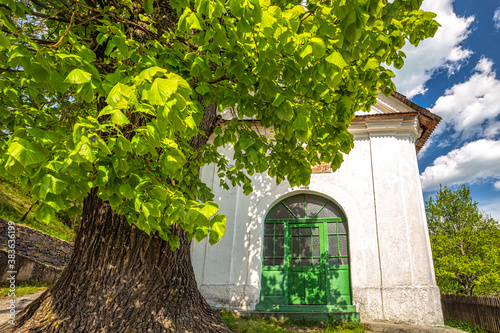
{"x": 329, "y": 211}
{"x": 342, "y": 227}
{"x": 315, "y": 231}
{"x": 279, "y": 229}
{"x": 332, "y": 228}
{"x": 296, "y": 205}
{"x": 268, "y": 246}
{"x": 278, "y": 262}
{"x": 306, "y": 262}
{"x": 268, "y": 262}
{"x": 316, "y": 246}
{"x": 280, "y": 212}
{"x": 334, "y": 261}
{"x": 343, "y": 245}
{"x": 305, "y": 247}
{"x": 269, "y": 229}
{"x": 316, "y": 262}
{"x": 305, "y": 231}
{"x": 295, "y": 231}
{"x": 314, "y": 205}
{"x": 332, "y": 245}
{"x": 295, "y": 246}
{"x": 344, "y": 261}
{"x": 295, "y": 262}
{"x": 279, "y": 250}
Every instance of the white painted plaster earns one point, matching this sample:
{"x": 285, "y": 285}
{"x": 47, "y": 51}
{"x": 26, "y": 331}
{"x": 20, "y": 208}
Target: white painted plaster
{"x": 378, "y": 188}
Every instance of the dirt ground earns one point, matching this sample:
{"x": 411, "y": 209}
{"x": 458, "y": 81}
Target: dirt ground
{"x": 21, "y": 303}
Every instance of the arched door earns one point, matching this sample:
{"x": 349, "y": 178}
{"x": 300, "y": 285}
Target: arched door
{"x": 305, "y": 254}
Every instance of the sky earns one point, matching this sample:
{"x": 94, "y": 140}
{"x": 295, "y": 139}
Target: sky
{"x": 456, "y": 76}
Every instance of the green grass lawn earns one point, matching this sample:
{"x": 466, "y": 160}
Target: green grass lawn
{"x": 464, "y": 326}
{"x": 23, "y": 288}
{"x": 254, "y": 324}
{"x": 14, "y": 203}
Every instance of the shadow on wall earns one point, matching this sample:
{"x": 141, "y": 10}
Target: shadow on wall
{"x": 248, "y": 221}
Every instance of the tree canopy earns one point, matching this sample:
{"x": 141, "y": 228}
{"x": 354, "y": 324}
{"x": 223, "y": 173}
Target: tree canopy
{"x": 465, "y": 244}
{"x": 118, "y": 94}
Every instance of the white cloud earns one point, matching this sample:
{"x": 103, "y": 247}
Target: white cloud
{"x": 425, "y": 148}
{"x": 443, "y": 51}
{"x": 475, "y": 161}
{"x": 491, "y": 208}
{"x": 496, "y": 18}
{"x": 470, "y": 107}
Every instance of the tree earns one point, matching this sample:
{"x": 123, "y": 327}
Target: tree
{"x": 110, "y": 103}
{"x": 465, "y": 244}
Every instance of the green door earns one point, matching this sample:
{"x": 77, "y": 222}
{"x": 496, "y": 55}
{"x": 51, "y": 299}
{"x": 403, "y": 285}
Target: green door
{"x": 305, "y": 255}
{"x": 306, "y": 268}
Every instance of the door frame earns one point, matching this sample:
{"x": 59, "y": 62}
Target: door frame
{"x": 274, "y": 283}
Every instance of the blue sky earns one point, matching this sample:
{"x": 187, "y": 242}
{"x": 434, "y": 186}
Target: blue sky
{"x": 455, "y": 76}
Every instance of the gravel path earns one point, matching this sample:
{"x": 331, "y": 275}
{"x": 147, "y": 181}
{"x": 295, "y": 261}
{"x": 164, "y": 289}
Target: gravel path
{"x": 21, "y": 303}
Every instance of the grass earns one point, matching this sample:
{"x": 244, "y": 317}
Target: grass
{"x": 14, "y": 203}
{"x": 23, "y": 288}
{"x": 254, "y": 324}
{"x": 464, "y": 326}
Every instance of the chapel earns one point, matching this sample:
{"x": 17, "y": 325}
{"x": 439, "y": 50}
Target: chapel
{"x": 353, "y": 244}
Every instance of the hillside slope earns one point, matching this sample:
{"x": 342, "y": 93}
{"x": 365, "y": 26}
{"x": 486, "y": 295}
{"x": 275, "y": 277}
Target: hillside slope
{"x": 14, "y": 203}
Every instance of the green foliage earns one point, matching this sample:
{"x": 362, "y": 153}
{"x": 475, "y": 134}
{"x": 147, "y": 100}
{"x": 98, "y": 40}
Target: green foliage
{"x": 116, "y": 97}
{"x": 464, "y": 326}
{"x": 255, "y": 324}
{"x": 465, "y": 244}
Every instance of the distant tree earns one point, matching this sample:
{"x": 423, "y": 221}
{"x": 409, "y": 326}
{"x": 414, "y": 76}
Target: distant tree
{"x": 465, "y": 244}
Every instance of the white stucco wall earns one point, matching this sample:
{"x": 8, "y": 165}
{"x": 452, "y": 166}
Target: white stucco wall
{"x": 378, "y": 188}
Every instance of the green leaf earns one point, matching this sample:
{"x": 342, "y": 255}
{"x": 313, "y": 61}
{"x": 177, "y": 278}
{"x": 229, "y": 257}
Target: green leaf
{"x": 148, "y": 6}
{"x": 318, "y": 47}
{"x": 118, "y": 118}
{"x": 203, "y": 88}
{"x": 51, "y": 184}
{"x": 26, "y": 152}
{"x": 45, "y": 213}
{"x": 120, "y": 93}
{"x": 127, "y": 191}
{"x": 172, "y": 160}
{"x": 306, "y": 50}
{"x": 82, "y": 153}
{"x": 150, "y": 73}
{"x": 4, "y": 41}
{"x": 336, "y": 59}
{"x": 193, "y": 22}
{"x": 78, "y": 76}
{"x": 218, "y": 229}
{"x": 161, "y": 90}
{"x": 209, "y": 209}
{"x": 302, "y": 122}
{"x": 245, "y": 141}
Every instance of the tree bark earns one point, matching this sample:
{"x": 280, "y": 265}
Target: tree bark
{"x": 119, "y": 279}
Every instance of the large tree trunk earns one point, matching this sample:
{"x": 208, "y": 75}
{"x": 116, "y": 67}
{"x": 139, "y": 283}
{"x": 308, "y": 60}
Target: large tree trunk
{"x": 119, "y": 279}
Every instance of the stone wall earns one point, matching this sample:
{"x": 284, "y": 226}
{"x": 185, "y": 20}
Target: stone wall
{"x": 28, "y": 269}
{"x": 37, "y": 245}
